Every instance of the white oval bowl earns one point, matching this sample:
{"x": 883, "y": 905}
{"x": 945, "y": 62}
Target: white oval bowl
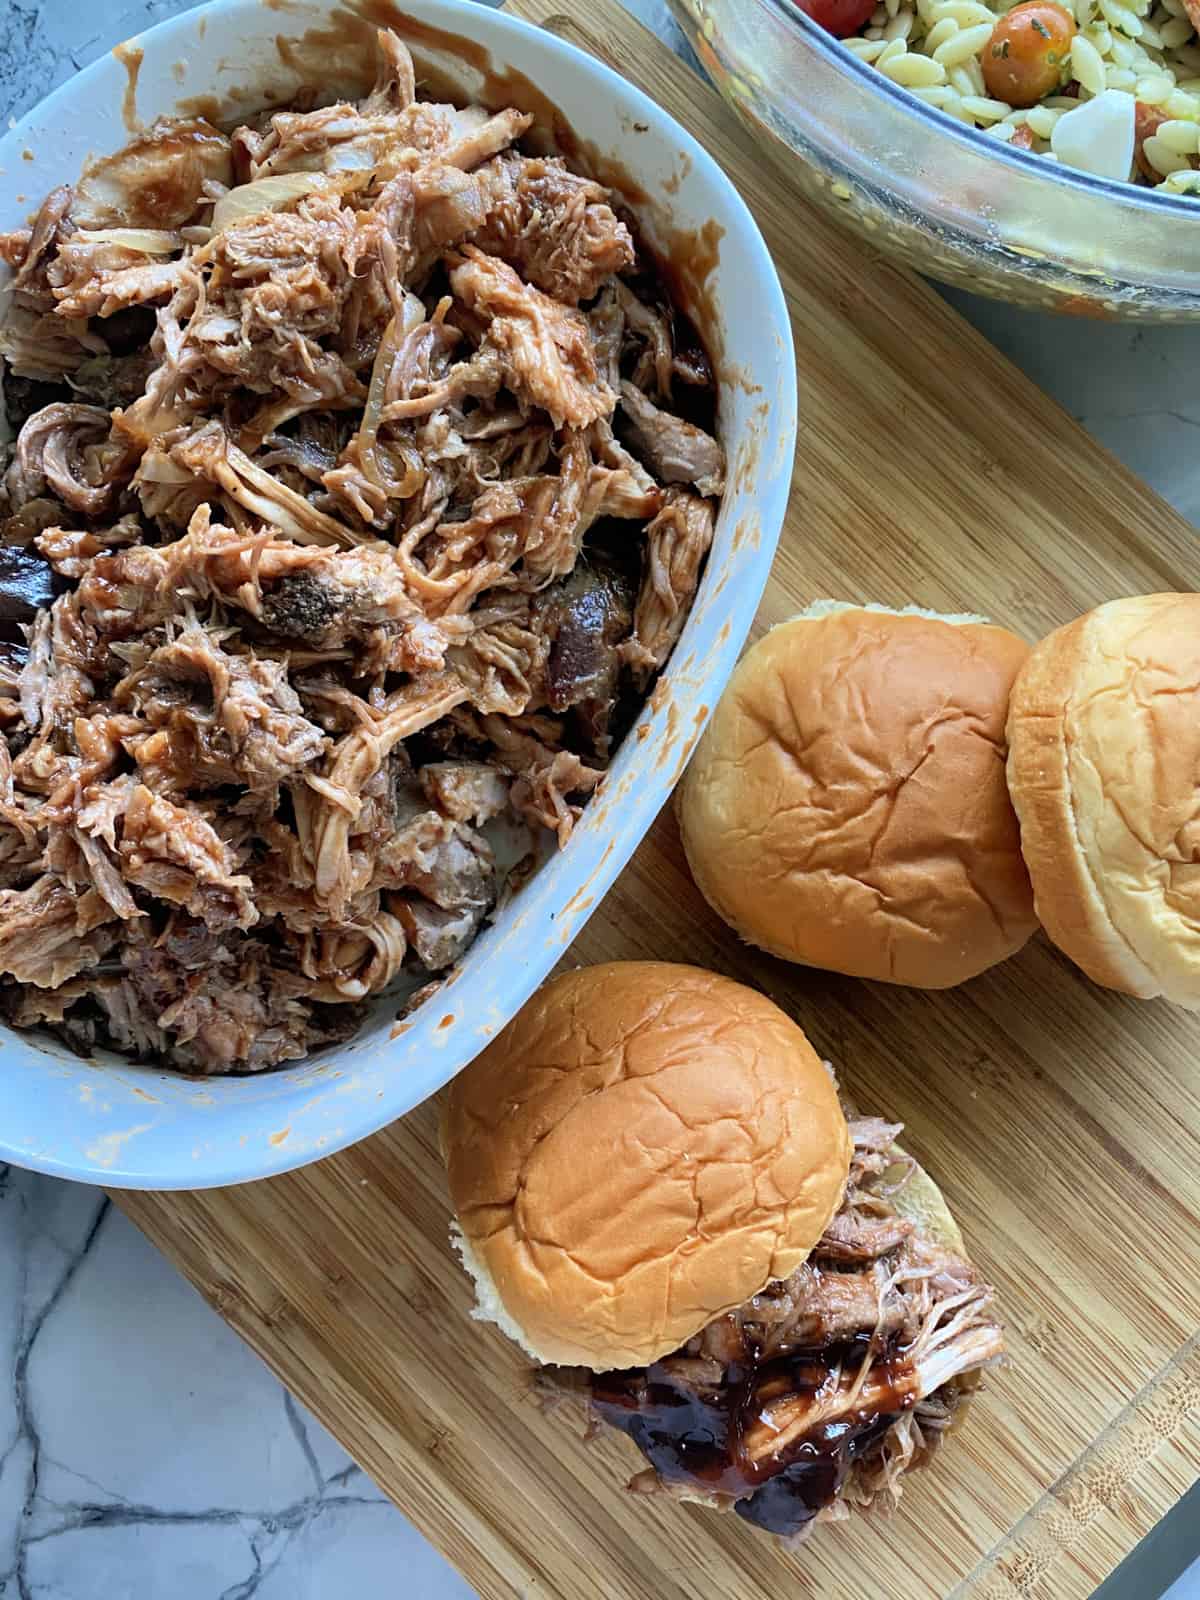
{"x": 137, "y": 1126}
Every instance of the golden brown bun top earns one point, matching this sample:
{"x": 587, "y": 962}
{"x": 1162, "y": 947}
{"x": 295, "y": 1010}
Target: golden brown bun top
{"x": 643, "y": 1148}
{"x": 847, "y": 806}
{"x": 1105, "y": 775}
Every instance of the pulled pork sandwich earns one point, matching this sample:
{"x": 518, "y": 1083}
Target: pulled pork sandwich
{"x": 847, "y": 806}
{"x": 658, "y": 1193}
{"x": 362, "y": 481}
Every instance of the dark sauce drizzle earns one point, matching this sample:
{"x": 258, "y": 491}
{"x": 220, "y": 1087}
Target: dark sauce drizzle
{"x": 697, "y": 1435}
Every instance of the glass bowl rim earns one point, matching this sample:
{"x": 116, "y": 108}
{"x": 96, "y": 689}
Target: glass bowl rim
{"x": 1050, "y": 172}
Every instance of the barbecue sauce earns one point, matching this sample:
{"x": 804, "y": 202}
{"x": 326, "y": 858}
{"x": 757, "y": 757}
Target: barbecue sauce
{"x": 692, "y": 1433}
{"x": 27, "y": 585}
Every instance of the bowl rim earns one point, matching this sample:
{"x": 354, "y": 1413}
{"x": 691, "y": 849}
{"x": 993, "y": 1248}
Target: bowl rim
{"x": 842, "y": 60}
{"x": 230, "y": 1159}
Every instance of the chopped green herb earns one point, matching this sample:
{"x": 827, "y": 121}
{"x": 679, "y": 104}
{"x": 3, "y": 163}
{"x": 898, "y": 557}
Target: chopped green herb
{"x": 1039, "y": 26}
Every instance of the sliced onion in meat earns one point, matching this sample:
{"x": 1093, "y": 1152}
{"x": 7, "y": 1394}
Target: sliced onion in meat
{"x": 157, "y": 467}
{"x": 376, "y": 462}
{"x": 264, "y": 194}
{"x": 353, "y": 155}
{"x": 147, "y": 241}
{"x": 368, "y": 428}
{"x": 279, "y": 190}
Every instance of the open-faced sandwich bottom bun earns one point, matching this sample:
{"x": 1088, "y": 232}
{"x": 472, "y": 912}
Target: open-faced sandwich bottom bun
{"x": 1104, "y": 734}
{"x": 847, "y": 806}
{"x": 655, "y": 1183}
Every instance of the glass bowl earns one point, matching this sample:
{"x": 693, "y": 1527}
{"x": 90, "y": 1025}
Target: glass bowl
{"x": 939, "y": 195}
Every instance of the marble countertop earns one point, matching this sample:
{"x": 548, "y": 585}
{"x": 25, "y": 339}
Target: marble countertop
{"x": 145, "y": 1452}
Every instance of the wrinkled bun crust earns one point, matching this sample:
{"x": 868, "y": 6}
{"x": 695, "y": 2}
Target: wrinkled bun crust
{"x": 642, "y": 1149}
{"x": 847, "y": 806}
{"x": 1105, "y": 754}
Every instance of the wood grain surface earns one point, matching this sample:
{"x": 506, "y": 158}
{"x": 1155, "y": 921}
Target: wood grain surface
{"x": 1063, "y": 1121}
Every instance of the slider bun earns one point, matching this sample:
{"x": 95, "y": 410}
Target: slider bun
{"x": 920, "y": 1200}
{"x": 1104, "y": 732}
{"x": 642, "y": 1149}
{"x": 847, "y": 808}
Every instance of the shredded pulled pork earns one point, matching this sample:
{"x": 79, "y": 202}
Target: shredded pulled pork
{"x": 362, "y": 479}
{"x": 818, "y": 1394}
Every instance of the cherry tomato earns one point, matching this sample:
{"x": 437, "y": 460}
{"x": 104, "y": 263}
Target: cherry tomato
{"x": 842, "y": 18}
{"x": 1146, "y": 121}
{"x": 1029, "y": 53}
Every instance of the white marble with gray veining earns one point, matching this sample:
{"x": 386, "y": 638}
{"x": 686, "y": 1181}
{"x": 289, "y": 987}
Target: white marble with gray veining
{"x": 145, "y": 1452}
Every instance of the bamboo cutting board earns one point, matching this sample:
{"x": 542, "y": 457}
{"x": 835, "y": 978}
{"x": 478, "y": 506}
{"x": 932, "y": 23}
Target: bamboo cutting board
{"x": 1063, "y": 1121}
